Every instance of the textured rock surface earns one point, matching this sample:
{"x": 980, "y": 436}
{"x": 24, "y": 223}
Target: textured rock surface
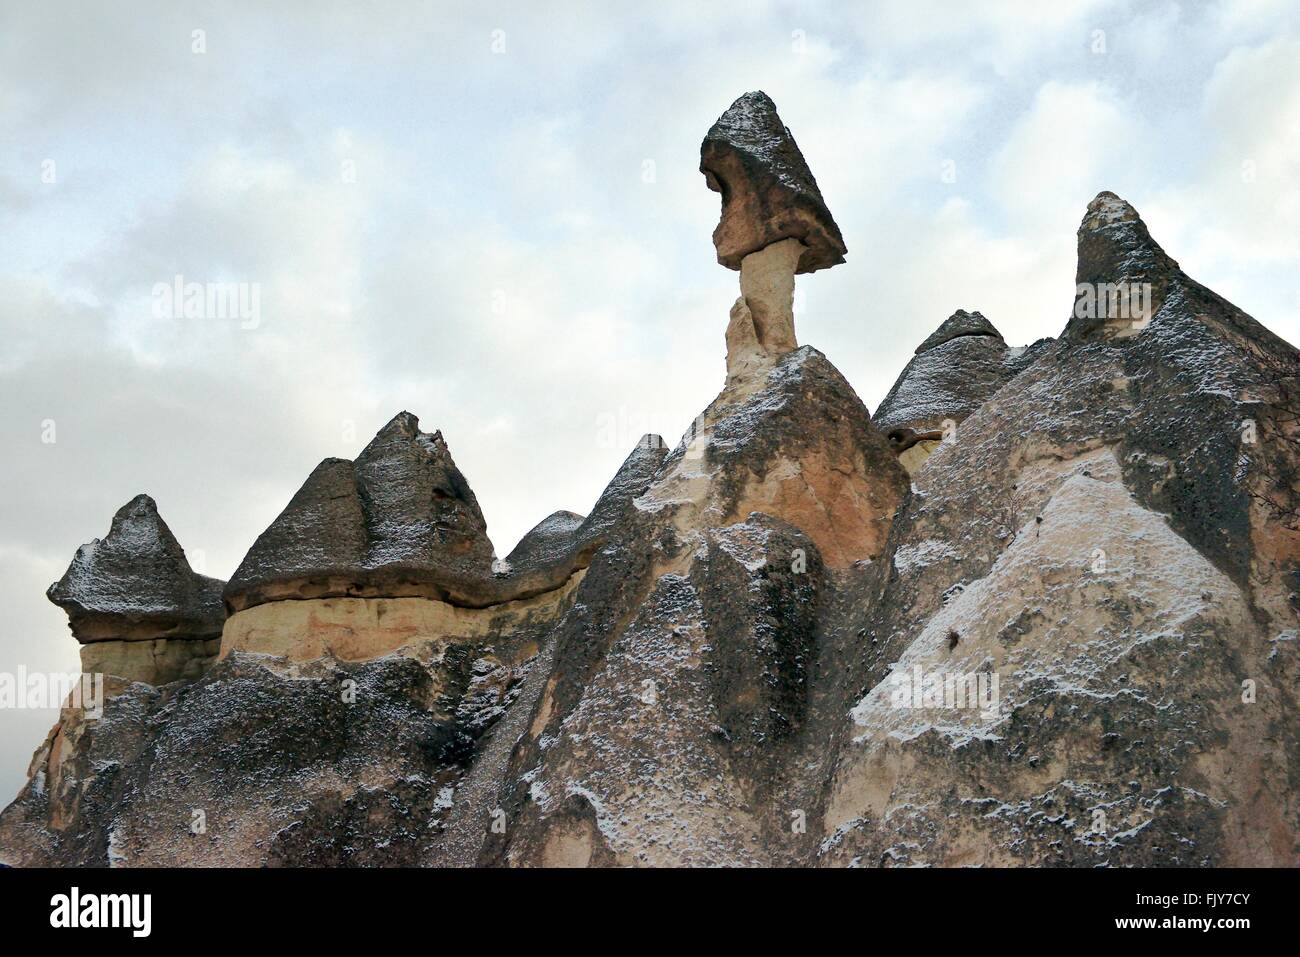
{"x": 157, "y": 661}
{"x": 401, "y": 520}
{"x": 1113, "y": 534}
{"x": 137, "y": 584}
{"x": 1108, "y": 535}
{"x": 678, "y": 690}
{"x": 954, "y": 371}
{"x": 761, "y": 329}
{"x": 768, "y": 192}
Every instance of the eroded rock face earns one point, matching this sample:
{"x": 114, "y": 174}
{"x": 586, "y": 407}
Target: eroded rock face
{"x": 957, "y": 367}
{"x": 742, "y": 655}
{"x": 402, "y": 522}
{"x": 139, "y": 610}
{"x": 761, "y": 329}
{"x": 137, "y": 583}
{"x": 1107, "y": 537}
{"x": 768, "y": 192}
{"x": 399, "y": 521}
{"x": 680, "y": 686}
{"x": 354, "y": 616}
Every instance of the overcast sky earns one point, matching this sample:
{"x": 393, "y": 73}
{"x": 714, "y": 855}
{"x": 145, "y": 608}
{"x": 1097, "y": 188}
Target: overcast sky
{"x": 492, "y": 216}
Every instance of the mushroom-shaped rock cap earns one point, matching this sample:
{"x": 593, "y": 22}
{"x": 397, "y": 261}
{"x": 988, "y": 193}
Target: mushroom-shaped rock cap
{"x": 137, "y": 583}
{"x": 954, "y": 370}
{"x": 399, "y": 520}
{"x": 768, "y": 192}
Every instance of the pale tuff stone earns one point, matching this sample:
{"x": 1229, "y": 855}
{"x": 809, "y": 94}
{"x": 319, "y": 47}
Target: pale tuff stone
{"x": 744, "y": 354}
{"x": 155, "y": 662}
{"x": 761, "y": 329}
{"x": 358, "y": 629}
{"x": 767, "y": 286}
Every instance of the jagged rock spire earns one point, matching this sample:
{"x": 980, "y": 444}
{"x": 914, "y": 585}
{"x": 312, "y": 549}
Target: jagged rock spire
{"x": 1122, "y": 274}
{"x": 137, "y": 583}
{"x": 1114, "y": 244}
{"x": 564, "y": 542}
{"x": 768, "y": 192}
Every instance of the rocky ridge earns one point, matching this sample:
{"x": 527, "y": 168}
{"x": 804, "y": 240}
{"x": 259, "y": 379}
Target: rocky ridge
{"x": 748, "y": 653}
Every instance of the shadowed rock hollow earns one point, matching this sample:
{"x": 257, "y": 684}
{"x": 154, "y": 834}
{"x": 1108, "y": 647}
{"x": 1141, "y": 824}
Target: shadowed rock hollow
{"x": 750, "y": 651}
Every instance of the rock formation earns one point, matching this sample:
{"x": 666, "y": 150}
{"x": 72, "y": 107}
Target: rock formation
{"x": 1114, "y": 533}
{"x": 774, "y": 224}
{"x": 1068, "y": 637}
{"x": 955, "y": 369}
{"x": 138, "y": 609}
{"x": 768, "y": 192}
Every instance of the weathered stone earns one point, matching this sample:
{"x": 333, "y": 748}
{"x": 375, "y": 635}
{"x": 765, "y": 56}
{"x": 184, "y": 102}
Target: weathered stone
{"x": 359, "y": 629}
{"x": 402, "y": 522}
{"x": 761, "y": 329}
{"x": 953, "y": 372}
{"x": 136, "y": 584}
{"x": 1106, "y": 536}
{"x": 712, "y": 670}
{"x": 960, "y": 323}
{"x": 562, "y": 545}
{"x": 399, "y": 521}
{"x": 156, "y": 662}
{"x": 768, "y": 192}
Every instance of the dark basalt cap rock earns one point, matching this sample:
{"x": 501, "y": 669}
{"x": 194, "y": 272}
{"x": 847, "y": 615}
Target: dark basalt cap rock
{"x": 417, "y": 504}
{"x": 136, "y": 584}
{"x": 550, "y": 541}
{"x": 768, "y": 192}
{"x": 399, "y": 520}
{"x": 960, "y": 323}
{"x": 322, "y": 531}
{"x": 954, "y": 370}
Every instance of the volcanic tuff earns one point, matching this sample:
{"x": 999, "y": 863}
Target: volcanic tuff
{"x": 733, "y": 659}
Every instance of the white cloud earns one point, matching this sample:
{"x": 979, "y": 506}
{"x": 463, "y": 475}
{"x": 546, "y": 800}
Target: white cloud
{"x": 501, "y": 265}
{"x": 1074, "y": 141}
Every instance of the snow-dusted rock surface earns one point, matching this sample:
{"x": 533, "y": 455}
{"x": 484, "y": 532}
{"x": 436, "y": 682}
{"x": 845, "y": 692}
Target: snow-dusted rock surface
{"x": 1068, "y": 638}
{"x": 955, "y": 369}
{"x": 768, "y": 191}
{"x": 137, "y": 583}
